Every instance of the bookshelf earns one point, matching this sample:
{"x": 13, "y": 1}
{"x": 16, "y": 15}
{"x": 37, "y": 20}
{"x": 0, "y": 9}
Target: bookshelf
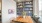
{"x": 0, "y": 13}
{"x": 0, "y": 16}
{"x": 26, "y": 6}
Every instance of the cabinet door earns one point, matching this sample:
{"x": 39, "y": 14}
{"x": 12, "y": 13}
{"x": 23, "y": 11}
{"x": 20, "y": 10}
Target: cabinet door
{"x": 30, "y": 13}
{"x": 19, "y": 11}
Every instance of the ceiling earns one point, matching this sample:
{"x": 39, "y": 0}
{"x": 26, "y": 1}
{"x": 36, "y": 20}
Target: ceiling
{"x": 21, "y": 0}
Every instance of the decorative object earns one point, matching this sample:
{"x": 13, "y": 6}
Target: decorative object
{"x": 24, "y": 14}
{"x": 10, "y": 11}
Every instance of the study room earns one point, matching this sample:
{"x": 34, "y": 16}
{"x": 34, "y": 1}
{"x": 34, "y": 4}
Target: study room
{"x": 21, "y": 11}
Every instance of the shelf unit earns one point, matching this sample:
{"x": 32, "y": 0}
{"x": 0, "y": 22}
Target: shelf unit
{"x": 0, "y": 11}
{"x": 0, "y": 16}
{"x": 26, "y": 6}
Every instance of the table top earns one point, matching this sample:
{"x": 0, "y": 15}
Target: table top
{"x": 28, "y": 19}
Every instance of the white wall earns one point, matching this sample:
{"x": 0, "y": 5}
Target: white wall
{"x": 8, "y": 4}
{"x": 36, "y": 7}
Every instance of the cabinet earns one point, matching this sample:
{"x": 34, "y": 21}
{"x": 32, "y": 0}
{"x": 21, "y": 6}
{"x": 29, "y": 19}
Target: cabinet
{"x": 26, "y": 6}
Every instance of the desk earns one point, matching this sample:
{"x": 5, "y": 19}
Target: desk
{"x": 28, "y": 19}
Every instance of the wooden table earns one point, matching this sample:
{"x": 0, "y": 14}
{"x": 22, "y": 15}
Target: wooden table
{"x": 28, "y": 19}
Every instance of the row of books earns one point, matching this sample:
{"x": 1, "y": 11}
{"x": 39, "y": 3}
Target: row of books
{"x": 21, "y": 3}
{"x": 26, "y": 13}
{"x": 26, "y": 4}
{"x": 27, "y": 9}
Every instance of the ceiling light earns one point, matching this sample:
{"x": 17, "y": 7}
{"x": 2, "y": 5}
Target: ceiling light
{"x": 19, "y": 0}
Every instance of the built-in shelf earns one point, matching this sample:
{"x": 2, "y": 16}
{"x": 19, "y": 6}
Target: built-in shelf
{"x": 26, "y": 6}
{"x": 0, "y": 16}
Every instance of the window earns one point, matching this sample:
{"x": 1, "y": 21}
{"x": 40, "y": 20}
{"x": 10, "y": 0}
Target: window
{"x": 40, "y": 7}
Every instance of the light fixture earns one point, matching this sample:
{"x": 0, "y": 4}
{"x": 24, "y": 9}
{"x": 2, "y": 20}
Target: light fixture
{"x": 22, "y": 0}
{"x": 19, "y": 0}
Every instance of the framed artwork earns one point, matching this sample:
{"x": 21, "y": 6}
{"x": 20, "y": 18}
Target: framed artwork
{"x": 10, "y": 11}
